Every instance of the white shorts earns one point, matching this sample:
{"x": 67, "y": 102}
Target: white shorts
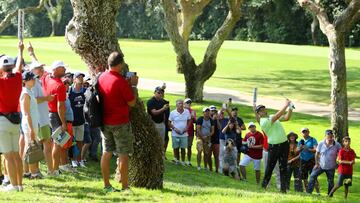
{"x": 246, "y": 160}
{"x": 79, "y": 132}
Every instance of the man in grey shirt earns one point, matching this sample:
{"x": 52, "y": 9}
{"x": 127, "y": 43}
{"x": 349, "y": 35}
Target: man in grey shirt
{"x": 325, "y": 161}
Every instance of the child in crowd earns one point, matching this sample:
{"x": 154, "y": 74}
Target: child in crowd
{"x": 229, "y": 160}
{"x": 346, "y": 160}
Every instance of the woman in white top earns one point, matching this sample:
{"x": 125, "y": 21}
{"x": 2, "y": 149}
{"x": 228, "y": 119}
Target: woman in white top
{"x": 30, "y": 117}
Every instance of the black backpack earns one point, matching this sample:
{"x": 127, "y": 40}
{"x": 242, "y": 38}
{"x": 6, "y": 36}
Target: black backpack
{"x": 93, "y": 108}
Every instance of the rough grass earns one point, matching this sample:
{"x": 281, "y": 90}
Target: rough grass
{"x": 273, "y": 68}
{"x": 186, "y": 184}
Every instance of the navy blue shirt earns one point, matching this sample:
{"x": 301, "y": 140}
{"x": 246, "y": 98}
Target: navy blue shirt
{"x": 223, "y": 123}
{"x": 77, "y": 100}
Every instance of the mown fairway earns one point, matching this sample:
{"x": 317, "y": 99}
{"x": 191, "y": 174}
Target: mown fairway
{"x": 299, "y": 72}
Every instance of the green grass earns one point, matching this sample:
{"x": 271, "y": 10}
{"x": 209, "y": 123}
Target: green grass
{"x": 185, "y": 184}
{"x": 300, "y": 72}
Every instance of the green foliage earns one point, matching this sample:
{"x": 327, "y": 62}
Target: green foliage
{"x": 279, "y": 21}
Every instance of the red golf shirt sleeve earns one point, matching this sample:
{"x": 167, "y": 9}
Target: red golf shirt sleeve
{"x": 10, "y": 90}
{"x": 115, "y": 94}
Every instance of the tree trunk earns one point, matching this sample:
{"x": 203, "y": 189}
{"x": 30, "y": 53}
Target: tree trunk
{"x": 337, "y": 68}
{"x": 92, "y": 34}
{"x": 53, "y": 25}
{"x": 314, "y": 25}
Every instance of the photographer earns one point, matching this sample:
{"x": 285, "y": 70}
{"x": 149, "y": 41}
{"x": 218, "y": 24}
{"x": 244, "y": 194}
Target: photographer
{"x": 156, "y": 108}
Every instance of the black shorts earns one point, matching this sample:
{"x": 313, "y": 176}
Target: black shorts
{"x": 344, "y": 179}
{"x": 306, "y": 168}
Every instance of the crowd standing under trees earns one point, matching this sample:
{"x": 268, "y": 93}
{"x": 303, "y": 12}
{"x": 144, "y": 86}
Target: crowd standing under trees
{"x": 220, "y": 134}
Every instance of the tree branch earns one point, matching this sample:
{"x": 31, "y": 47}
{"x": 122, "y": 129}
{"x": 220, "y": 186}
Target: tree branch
{"x": 325, "y": 26}
{"x": 223, "y": 32}
{"x": 355, "y": 19}
{"x": 344, "y": 21}
{"x": 6, "y": 21}
{"x": 171, "y": 26}
{"x": 188, "y": 15}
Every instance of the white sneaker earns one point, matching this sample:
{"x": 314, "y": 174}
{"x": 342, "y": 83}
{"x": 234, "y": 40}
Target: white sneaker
{"x": 54, "y": 173}
{"x": 9, "y": 188}
{"x": 74, "y": 164}
{"x": 82, "y": 164}
{"x": 67, "y": 168}
{"x": 20, "y": 188}
{"x": 199, "y": 168}
{"x": 183, "y": 163}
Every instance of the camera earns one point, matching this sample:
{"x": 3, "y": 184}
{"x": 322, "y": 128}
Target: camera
{"x": 302, "y": 142}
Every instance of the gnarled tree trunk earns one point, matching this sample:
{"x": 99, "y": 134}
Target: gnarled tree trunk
{"x": 339, "y": 101}
{"x": 92, "y": 34}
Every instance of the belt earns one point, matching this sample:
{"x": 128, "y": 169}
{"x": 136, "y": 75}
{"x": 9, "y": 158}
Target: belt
{"x": 275, "y": 145}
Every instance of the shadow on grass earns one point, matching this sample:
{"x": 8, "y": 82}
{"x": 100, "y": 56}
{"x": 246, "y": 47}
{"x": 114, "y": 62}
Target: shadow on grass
{"x": 313, "y": 85}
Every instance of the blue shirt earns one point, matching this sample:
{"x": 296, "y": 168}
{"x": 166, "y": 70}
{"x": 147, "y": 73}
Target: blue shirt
{"x": 305, "y": 154}
{"x": 69, "y": 114}
{"x": 223, "y": 123}
{"x": 43, "y": 107}
{"x": 328, "y": 155}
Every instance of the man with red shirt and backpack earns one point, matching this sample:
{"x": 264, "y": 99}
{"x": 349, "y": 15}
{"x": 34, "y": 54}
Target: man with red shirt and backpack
{"x": 255, "y": 141}
{"x": 10, "y": 88}
{"x": 346, "y": 160}
{"x": 117, "y": 97}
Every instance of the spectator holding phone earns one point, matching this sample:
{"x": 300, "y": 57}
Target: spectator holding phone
{"x": 156, "y": 107}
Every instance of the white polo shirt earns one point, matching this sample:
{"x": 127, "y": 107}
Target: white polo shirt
{"x": 179, "y": 121}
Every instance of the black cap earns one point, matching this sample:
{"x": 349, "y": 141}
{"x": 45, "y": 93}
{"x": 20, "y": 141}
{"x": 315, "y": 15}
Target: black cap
{"x": 69, "y": 74}
{"x": 28, "y": 75}
{"x": 159, "y": 89}
{"x": 78, "y": 74}
{"x": 329, "y": 132}
{"x": 259, "y": 107}
{"x": 234, "y": 109}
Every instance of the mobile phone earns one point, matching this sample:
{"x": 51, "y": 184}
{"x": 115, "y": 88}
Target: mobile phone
{"x": 130, "y": 74}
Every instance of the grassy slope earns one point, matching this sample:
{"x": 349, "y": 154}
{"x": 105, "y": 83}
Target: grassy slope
{"x": 184, "y": 184}
{"x": 241, "y": 65}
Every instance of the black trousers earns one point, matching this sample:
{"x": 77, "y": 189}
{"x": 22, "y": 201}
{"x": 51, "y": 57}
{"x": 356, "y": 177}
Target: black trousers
{"x": 277, "y": 152}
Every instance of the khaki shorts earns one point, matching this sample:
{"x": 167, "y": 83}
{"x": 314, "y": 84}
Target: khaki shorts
{"x": 203, "y": 145}
{"x": 79, "y": 132}
{"x": 44, "y": 133}
{"x": 119, "y": 139}
{"x": 9, "y": 136}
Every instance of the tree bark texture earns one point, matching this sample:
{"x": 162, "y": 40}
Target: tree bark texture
{"x": 92, "y": 34}
{"x": 336, "y": 33}
{"x": 178, "y": 25}
{"x": 339, "y": 101}
{"x": 7, "y": 20}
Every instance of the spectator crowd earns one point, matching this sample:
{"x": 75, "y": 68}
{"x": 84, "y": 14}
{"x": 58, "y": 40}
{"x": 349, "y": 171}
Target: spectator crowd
{"x": 55, "y": 118}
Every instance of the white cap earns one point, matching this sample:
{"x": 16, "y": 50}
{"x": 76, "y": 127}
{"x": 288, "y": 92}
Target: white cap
{"x": 187, "y": 100}
{"x": 206, "y": 109}
{"x": 57, "y": 64}
{"x": 6, "y": 61}
{"x": 251, "y": 124}
{"x": 212, "y": 107}
{"x": 35, "y": 64}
